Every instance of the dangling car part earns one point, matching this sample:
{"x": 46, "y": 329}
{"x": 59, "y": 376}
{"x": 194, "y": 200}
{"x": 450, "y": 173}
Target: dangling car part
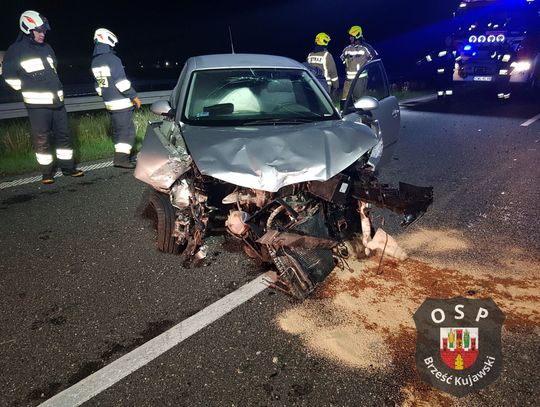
{"x": 251, "y": 145}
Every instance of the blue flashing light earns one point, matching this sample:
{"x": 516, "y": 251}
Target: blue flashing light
{"x": 467, "y": 47}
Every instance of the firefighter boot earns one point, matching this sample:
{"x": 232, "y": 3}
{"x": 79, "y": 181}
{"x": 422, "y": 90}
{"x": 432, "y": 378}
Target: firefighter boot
{"x": 73, "y": 172}
{"x": 123, "y": 160}
{"x": 47, "y": 172}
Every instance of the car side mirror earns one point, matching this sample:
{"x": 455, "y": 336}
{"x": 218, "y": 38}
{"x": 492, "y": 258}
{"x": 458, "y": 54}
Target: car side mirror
{"x": 162, "y": 108}
{"x": 366, "y": 103}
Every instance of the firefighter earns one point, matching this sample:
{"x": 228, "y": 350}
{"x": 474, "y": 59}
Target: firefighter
{"x": 118, "y": 95}
{"x": 321, "y": 59}
{"x": 354, "y": 56}
{"x": 444, "y": 62}
{"x": 30, "y": 67}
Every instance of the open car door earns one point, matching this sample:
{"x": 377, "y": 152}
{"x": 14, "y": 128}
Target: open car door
{"x": 371, "y": 80}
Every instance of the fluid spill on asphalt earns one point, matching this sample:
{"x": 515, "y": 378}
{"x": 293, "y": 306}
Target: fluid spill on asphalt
{"x": 363, "y": 319}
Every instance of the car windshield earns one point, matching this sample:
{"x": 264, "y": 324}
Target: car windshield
{"x": 232, "y": 97}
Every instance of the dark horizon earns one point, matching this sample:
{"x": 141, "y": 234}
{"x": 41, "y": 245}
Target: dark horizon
{"x": 401, "y": 32}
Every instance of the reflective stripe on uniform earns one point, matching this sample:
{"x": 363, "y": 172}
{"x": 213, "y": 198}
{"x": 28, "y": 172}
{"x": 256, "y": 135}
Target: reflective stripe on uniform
{"x": 442, "y": 53}
{"x": 32, "y": 65}
{"x": 44, "y": 159}
{"x": 122, "y": 148}
{"x": 123, "y": 85}
{"x": 428, "y": 58}
{"x": 64, "y": 153}
{"x": 61, "y": 95}
{"x": 101, "y": 71}
{"x": 325, "y": 67}
{"x": 118, "y": 104}
{"x": 315, "y": 59}
{"x": 51, "y": 62}
{"x": 441, "y": 70}
{"x": 334, "y": 79}
{"x": 14, "y": 83}
{"x": 354, "y": 53}
{"x": 98, "y": 90}
{"x": 449, "y": 92}
{"x": 351, "y": 75}
{"x": 38, "y": 98}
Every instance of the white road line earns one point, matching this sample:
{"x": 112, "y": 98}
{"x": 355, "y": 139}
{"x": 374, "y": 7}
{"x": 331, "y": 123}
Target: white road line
{"x": 24, "y": 181}
{"x": 530, "y": 121}
{"x": 127, "y": 364}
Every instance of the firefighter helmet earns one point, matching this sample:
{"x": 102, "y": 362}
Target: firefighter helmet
{"x": 30, "y": 20}
{"x": 355, "y": 31}
{"x": 105, "y": 36}
{"x": 322, "y": 39}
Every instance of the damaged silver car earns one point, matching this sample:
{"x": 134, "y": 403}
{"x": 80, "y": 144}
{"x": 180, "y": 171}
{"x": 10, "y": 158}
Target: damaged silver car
{"x": 253, "y": 146}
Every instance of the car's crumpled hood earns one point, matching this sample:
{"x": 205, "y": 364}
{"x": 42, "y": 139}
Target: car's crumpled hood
{"x": 270, "y": 157}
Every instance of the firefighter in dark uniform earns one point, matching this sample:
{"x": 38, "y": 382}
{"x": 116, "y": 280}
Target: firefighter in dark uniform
{"x": 322, "y": 59}
{"x": 444, "y": 62}
{"x": 354, "y": 56}
{"x": 30, "y": 67}
{"x": 118, "y": 95}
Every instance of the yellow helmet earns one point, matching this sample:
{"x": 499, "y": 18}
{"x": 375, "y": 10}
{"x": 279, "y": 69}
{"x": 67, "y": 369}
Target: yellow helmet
{"x": 355, "y": 31}
{"x": 322, "y": 39}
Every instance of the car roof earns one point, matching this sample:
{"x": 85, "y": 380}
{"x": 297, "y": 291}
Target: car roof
{"x": 220, "y": 61}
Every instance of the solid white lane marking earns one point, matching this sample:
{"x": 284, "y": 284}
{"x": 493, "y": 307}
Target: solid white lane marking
{"x": 127, "y": 364}
{"x": 530, "y": 121}
{"x": 24, "y": 181}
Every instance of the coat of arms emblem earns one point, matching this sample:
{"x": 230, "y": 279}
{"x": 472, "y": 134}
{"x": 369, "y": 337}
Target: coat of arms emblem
{"x": 458, "y": 344}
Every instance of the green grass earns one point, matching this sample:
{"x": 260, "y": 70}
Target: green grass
{"x": 90, "y": 131}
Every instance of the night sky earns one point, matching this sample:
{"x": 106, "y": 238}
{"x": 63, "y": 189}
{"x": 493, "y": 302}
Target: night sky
{"x": 402, "y": 31}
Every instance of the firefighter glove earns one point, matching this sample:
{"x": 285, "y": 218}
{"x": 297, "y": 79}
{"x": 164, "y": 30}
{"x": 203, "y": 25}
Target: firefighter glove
{"x": 137, "y": 102}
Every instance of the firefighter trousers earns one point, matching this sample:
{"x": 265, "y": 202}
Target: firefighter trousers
{"x": 123, "y": 130}
{"x": 50, "y": 132}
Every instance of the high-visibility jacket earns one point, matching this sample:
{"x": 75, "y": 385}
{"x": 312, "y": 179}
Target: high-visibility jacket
{"x": 110, "y": 79}
{"x": 355, "y": 56}
{"x": 322, "y": 59}
{"x": 444, "y": 59}
{"x": 30, "y": 67}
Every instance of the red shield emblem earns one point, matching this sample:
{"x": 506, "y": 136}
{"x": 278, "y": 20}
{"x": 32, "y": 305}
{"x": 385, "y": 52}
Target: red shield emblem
{"x": 459, "y": 347}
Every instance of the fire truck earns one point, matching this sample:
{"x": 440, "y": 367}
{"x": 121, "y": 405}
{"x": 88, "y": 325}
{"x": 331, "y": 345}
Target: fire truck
{"x": 497, "y": 44}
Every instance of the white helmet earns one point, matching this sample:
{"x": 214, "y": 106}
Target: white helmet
{"x": 105, "y": 36}
{"x": 31, "y": 20}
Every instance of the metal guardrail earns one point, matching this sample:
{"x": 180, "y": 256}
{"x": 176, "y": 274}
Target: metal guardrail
{"x": 79, "y": 104}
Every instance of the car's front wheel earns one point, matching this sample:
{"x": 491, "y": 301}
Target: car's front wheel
{"x": 161, "y": 211}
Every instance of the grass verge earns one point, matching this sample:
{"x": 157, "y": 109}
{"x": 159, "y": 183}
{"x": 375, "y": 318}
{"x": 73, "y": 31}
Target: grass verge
{"x": 90, "y": 131}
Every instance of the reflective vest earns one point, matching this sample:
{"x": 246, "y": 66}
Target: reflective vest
{"x": 444, "y": 60}
{"x": 110, "y": 79}
{"x": 30, "y": 67}
{"x": 356, "y": 56}
{"x": 324, "y": 60}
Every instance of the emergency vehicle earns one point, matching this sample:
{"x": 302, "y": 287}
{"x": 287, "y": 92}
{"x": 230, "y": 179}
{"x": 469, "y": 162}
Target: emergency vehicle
{"x": 497, "y": 43}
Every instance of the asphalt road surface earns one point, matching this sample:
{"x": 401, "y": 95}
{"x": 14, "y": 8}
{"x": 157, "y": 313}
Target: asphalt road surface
{"x": 82, "y": 285}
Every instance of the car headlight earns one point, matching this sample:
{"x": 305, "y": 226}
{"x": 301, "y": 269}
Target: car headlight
{"x": 473, "y": 38}
{"x": 500, "y": 38}
{"x": 482, "y": 38}
{"x": 491, "y": 38}
{"x": 520, "y": 66}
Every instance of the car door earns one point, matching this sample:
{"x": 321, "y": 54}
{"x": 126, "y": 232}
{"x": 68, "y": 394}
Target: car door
{"x": 371, "y": 80}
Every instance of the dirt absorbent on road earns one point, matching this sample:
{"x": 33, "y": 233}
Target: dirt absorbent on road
{"x": 363, "y": 317}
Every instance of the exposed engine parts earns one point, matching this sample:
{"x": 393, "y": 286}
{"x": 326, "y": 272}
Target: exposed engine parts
{"x": 299, "y": 228}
